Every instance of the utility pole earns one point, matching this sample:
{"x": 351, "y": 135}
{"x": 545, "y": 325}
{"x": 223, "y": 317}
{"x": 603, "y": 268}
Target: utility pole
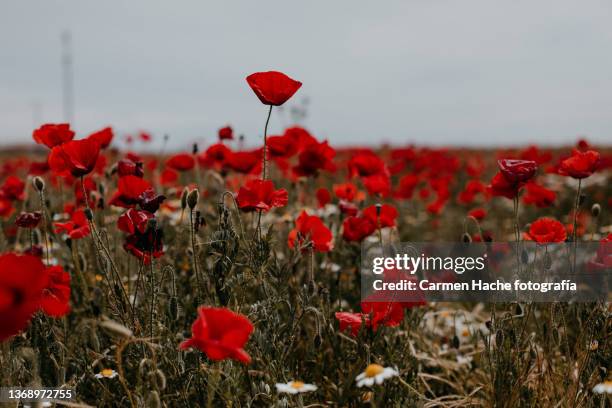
{"x": 67, "y": 78}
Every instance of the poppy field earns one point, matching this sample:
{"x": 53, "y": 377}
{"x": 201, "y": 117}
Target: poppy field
{"x": 228, "y": 276}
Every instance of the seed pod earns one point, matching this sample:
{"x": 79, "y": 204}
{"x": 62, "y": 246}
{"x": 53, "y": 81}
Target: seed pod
{"x": 466, "y": 238}
{"x": 152, "y": 400}
{"x": 518, "y": 310}
{"x": 581, "y": 199}
{"x": 195, "y": 148}
{"x": 116, "y": 329}
{"x": 89, "y": 214}
{"x": 596, "y": 210}
{"x": 161, "y": 379}
{"x": 184, "y": 198}
{"x": 192, "y": 198}
{"x": 455, "y": 342}
{"x": 39, "y": 184}
{"x": 173, "y": 308}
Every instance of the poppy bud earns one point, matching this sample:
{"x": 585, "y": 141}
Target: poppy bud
{"x": 195, "y": 148}
{"x": 378, "y": 210}
{"x": 596, "y": 210}
{"x": 153, "y": 400}
{"x": 455, "y": 342}
{"x": 581, "y": 199}
{"x": 524, "y": 257}
{"x": 39, "y": 184}
{"x": 192, "y": 198}
{"x": 88, "y": 214}
{"x": 466, "y": 238}
{"x": 184, "y": 198}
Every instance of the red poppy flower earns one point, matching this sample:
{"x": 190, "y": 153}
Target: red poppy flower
{"x": 539, "y": 196}
{"x": 352, "y": 321}
{"x": 281, "y": 147}
{"x": 145, "y": 137}
{"x": 472, "y": 188}
{"x": 181, "y": 162}
{"x": 345, "y": 191}
{"x": 386, "y": 313}
{"x": 22, "y": 280}
{"x": 310, "y": 227}
{"x": 55, "y": 300}
{"x": 215, "y": 156}
{"x": 386, "y": 217}
{"x": 407, "y": 185}
{"x": 273, "y": 87}
{"x": 546, "y": 230}
{"x": 134, "y": 220}
{"x": 52, "y": 135}
{"x": 168, "y": 177}
{"x": 38, "y": 168}
{"x": 221, "y": 334}
{"x": 127, "y": 167}
{"x": 356, "y": 229}
{"x": 28, "y": 219}
{"x": 261, "y": 195}
{"x": 145, "y": 246}
{"x": 478, "y": 213}
{"x": 245, "y": 162}
{"x": 500, "y": 186}
{"x": 129, "y": 190}
{"x": 603, "y": 258}
{"x": 580, "y": 165}
{"x": 76, "y": 228}
{"x": 6, "y": 208}
{"x": 226, "y": 133}
{"x": 377, "y": 185}
{"x": 517, "y": 171}
{"x": 366, "y": 163}
{"x": 13, "y": 189}
{"x": 104, "y": 137}
{"x": 348, "y": 208}
{"x": 300, "y": 137}
{"x": 323, "y": 197}
{"x": 313, "y": 158}
{"x": 77, "y": 157}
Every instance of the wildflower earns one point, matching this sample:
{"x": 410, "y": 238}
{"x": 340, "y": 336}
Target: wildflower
{"x": 181, "y": 162}
{"x": 261, "y": 195}
{"x": 580, "y": 165}
{"x": 13, "y": 189}
{"x": 546, "y": 230}
{"x": 407, "y": 185}
{"x": 76, "y": 157}
{"x": 127, "y": 167}
{"x": 104, "y": 137}
{"x": 28, "y": 219}
{"x": 539, "y": 195}
{"x": 295, "y": 387}
{"x": 215, "y": 156}
{"x": 22, "y": 280}
{"x": 345, "y": 191}
{"x": 517, "y": 171}
{"x": 248, "y": 162}
{"x": 273, "y": 87}
{"x": 323, "y": 197}
{"x": 478, "y": 213}
{"x": 134, "y": 220}
{"x": 375, "y": 373}
{"x": 55, "y": 301}
{"x": 356, "y": 229}
{"x": 312, "y": 228}
{"x": 313, "y": 158}
{"x": 52, "y": 135}
{"x": 76, "y": 228}
{"x": 281, "y": 147}
{"x": 226, "y": 133}
{"x": 365, "y": 164}
{"x": 603, "y": 388}
{"x": 377, "y": 185}
{"x": 145, "y": 246}
{"x": 220, "y": 334}
{"x": 106, "y": 373}
{"x": 385, "y": 218}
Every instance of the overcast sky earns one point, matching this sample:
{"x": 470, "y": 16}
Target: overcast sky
{"x": 429, "y": 71}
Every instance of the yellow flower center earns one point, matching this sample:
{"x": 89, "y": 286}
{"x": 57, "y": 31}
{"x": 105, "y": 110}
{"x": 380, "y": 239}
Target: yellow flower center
{"x": 465, "y": 333}
{"x": 297, "y": 384}
{"x": 98, "y": 278}
{"x": 373, "y": 370}
{"x": 107, "y": 372}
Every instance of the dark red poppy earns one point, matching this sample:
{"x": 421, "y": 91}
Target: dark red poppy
{"x": 273, "y": 87}
{"x": 323, "y": 197}
{"x": 28, "y": 219}
{"x": 345, "y": 191}
{"x": 77, "y": 157}
{"x": 55, "y": 300}
{"x": 348, "y": 208}
{"x": 145, "y": 137}
{"x": 38, "y": 168}
{"x": 311, "y": 229}
{"x": 356, "y": 229}
{"x": 133, "y": 221}
{"x": 129, "y": 191}
{"x": 314, "y": 158}
{"x": 145, "y": 246}
{"x": 52, "y": 135}
{"x": 580, "y": 165}
{"x": 13, "y": 189}
{"x": 76, "y": 228}
{"x": 261, "y": 195}
{"x": 545, "y": 230}
{"x": 104, "y": 137}
{"x": 221, "y": 334}
{"x": 22, "y": 280}
{"x": 181, "y": 162}
{"x": 517, "y": 171}
{"x": 500, "y": 186}
{"x": 384, "y": 217}
{"x": 539, "y": 195}
{"x": 226, "y": 133}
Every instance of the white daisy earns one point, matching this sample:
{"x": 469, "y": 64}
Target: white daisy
{"x": 375, "y": 373}
{"x": 603, "y": 388}
{"x": 294, "y": 387}
{"x": 43, "y": 404}
{"x": 106, "y": 373}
